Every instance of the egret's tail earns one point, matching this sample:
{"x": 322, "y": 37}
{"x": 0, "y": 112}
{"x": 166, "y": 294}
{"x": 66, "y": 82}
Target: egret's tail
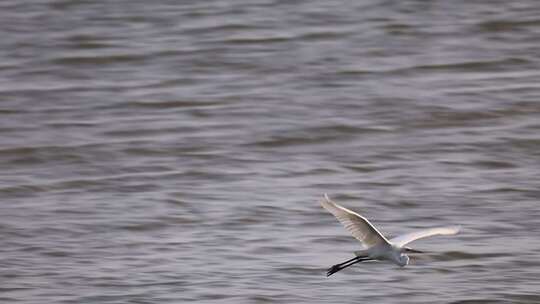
{"x": 361, "y": 253}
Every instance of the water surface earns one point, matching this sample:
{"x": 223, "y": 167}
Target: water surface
{"x": 175, "y": 151}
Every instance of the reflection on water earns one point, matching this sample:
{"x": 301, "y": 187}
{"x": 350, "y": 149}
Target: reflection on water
{"x": 176, "y": 152}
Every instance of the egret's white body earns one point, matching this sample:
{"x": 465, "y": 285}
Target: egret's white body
{"x": 376, "y": 246}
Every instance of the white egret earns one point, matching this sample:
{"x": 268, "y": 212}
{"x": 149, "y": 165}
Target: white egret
{"x": 376, "y": 246}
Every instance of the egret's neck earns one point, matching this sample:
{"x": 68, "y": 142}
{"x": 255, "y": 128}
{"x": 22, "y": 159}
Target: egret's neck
{"x": 403, "y": 260}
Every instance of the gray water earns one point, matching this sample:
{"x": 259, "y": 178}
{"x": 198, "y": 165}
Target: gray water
{"x": 176, "y": 151}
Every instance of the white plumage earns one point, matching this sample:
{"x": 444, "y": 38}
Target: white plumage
{"x": 376, "y": 246}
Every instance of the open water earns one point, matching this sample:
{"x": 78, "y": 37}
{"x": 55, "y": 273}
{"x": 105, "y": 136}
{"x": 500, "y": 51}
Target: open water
{"x": 176, "y": 151}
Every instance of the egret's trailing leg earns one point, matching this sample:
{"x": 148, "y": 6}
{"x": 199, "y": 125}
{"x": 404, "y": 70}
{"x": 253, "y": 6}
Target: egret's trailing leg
{"x": 346, "y": 264}
{"x": 339, "y": 266}
{"x": 347, "y": 261}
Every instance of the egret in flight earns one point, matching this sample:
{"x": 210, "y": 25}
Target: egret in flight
{"x": 376, "y": 246}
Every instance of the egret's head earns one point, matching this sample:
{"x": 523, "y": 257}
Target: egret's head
{"x": 403, "y": 259}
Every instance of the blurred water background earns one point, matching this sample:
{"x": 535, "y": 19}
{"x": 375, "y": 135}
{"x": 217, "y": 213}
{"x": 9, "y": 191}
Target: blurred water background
{"x": 176, "y": 151}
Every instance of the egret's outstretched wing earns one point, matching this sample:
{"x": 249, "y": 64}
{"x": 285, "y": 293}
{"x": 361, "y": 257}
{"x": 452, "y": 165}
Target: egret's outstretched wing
{"x": 403, "y": 240}
{"x": 356, "y": 224}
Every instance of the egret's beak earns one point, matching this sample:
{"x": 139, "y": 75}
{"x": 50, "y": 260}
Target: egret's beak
{"x": 410, "y": 250}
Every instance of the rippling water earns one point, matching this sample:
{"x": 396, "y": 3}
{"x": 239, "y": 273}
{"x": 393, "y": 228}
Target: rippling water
{"x": 175, "y": 151}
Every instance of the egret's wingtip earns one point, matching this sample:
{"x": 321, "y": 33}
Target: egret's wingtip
{"x": 453, "y": 230}
{"x": 326, "y": 202}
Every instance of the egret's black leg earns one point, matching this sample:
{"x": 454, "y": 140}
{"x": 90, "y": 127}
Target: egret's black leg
{"x": 345, "y": 264}
{"x": 337, "y": 267}
{"x": 347, "y": 261}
